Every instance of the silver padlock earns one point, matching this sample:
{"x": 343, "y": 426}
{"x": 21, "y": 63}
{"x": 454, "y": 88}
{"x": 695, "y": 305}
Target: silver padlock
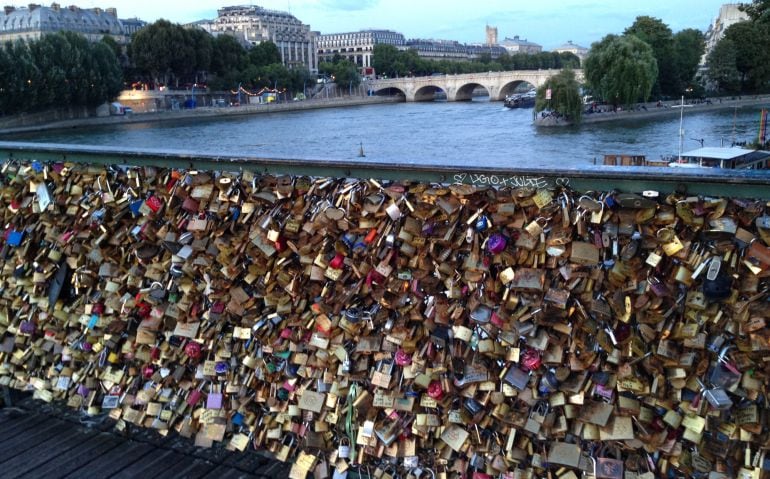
{"x": 343, "y": 450}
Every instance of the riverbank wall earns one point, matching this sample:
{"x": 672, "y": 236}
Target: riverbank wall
{"x": 671, "y": 109}
{"x": 27, "y": 123}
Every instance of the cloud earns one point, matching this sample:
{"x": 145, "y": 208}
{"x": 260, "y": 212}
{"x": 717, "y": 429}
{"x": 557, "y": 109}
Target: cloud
{"x": 349, "y": 5}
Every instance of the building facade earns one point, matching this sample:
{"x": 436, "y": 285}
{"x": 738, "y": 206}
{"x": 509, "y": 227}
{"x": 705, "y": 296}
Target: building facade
{"x": 451, "y": 50}
{"x": 253, "y": 25}
{"x": 517, "y": 45}
{"x": 34, "y": 21}
{"x": 569, "y": 47}
{"x": 729, "y": 14}
{"x": 356, "y": 46}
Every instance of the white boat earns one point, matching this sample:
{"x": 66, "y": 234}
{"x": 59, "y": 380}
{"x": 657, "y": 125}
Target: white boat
{"x": 723, "y": 157}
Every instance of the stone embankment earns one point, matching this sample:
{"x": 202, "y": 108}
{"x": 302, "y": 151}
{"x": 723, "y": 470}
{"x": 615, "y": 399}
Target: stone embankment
{"x": 652, "y": 110}
{"x": 193, "y": 114}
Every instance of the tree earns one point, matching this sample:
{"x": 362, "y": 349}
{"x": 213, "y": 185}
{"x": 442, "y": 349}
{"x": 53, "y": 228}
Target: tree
{"x": 228, "y": 55}
{"x": 658, "y": 35}
{"x": 203, "y": 47}
{"x": 266, "y": 53}
{"x": 758, "y": 10}
{"x": 384, "y": 58}
{"x": 689, "y": 45}
{"x": 621, "y": 69}
{"x": 722, "y": 72}
{"x": 752, "y": 58}
{"x": 163, "y": 51}
{"x": 565, "y": 96}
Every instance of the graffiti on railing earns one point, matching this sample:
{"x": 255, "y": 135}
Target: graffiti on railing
{"x": 480, "y": 179}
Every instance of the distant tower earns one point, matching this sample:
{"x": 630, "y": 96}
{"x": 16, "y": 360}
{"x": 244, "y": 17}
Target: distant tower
{"x": 491, "y": 35}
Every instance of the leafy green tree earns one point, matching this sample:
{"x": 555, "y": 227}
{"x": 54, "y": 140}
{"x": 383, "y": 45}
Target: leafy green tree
{"x": 689, "y": 45}
{"x": 228, "y": 56}
{"x": 758, "y": 10}
{"x": 384, "y": 59}
{"x": 345, "y": 73}
{"x": 722, "y": 72}
{"x": 659, "y": 36}
{"x": 162, "y": 51}
{"x": 203, "y": 51}
{"x": 565, "y": 96}
{"x": 752, "y": 58}
{"x": 266, "y": 53}
{"x": 621, "y": 69}
{"x": 108, "y": 76}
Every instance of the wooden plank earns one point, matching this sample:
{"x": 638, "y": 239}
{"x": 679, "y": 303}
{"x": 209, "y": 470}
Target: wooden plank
{"x": 9, "y": 429}
{"x": 156, "y": 465}
{"x": 194, "y": 470}
{"x": 248, "y": 461}
{"x": 76, "y": 459}
{"x": 114, "y": 460}
{"x": 29, "y": 439}
{"x": 46, "y": 451}
{"x": 226, "y": 472}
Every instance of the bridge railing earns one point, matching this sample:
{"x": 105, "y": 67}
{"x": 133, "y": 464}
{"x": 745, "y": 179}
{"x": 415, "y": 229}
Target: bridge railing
{"x": 737, "y": 183}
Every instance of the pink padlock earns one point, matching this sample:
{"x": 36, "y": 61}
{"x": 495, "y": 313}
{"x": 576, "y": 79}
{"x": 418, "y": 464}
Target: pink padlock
{"x": 403, "y": 358}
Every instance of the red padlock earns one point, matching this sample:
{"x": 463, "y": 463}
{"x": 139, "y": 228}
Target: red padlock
{"x": 435, "y": 390}
{"x": 337, "y": 262}
{"x": 193, "y": 350}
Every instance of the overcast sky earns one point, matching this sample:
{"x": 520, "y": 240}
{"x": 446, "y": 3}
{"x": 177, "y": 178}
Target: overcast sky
{"x": 547, "y": 22}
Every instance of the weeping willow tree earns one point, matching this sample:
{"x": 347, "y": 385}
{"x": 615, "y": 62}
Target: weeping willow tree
{"x": 565, "y": 96}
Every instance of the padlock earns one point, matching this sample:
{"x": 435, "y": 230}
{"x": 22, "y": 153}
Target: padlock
{"x": 343, "y": 449}
{"x": 609, "y": 467}
{"x": 286, "y": 448}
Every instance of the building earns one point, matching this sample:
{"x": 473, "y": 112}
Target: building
{"x": 356, "y": 46}
{"x": 729, "y": 14}
{"x": 491, "y": 35}
{"x": 569, "y": 47}
{"x": 517, "y": 45}
{"x": 34, "y": 21}
{"x": 451, "y": 50}
{"x": 252, "y": 25}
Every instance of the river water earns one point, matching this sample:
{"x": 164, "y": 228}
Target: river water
{"x": 440, "y": 133}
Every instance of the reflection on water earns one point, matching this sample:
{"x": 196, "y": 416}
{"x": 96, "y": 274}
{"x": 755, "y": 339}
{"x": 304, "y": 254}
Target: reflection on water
{"x": 439, "y": 133}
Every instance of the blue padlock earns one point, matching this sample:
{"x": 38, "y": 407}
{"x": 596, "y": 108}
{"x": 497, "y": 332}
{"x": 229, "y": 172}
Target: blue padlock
{"x": 482, "y": 223}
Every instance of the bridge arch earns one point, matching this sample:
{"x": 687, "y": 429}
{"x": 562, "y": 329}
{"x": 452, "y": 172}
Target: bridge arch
{"x": 465, "y": 91}
{"x": 515, "y": 86}
{"x": 389, "y": 91}
{"x": 428, "y": 92}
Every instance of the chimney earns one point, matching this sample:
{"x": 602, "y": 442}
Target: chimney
{"x": 97, "y": 11}
{"x": 55, "y": 7}
{"x": 112, "y": 11}
{"x": 9, "y": 9}
{"x": 33, "y": 6}
{"x": 73, "y": 8}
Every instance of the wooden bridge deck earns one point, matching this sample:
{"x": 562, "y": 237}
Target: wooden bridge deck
{"x": 38, "y": 440}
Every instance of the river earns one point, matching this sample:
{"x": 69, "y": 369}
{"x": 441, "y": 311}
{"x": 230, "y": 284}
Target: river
{"x": 440, "y": 133}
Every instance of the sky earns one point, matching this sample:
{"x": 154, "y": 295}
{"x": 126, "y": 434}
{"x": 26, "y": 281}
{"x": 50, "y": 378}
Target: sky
{"x": 549, "y": 23}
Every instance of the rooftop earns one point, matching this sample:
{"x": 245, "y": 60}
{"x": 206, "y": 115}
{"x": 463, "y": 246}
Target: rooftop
{"x": 717, "y": 153}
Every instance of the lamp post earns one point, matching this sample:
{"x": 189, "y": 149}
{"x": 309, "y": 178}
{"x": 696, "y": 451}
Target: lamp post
{"x": 239, "y": 94}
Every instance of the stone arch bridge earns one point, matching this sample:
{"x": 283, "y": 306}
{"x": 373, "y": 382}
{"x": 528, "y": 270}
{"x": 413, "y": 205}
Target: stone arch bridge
{"x": 461, "y": 87}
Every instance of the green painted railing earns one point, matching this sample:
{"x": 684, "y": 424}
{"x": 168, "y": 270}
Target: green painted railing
{"x": 695, "y": 181}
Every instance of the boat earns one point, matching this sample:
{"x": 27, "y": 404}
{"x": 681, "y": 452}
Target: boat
{"x": 520, "y": 100}
{"x": 734, "y": 157}
{"x": 723, "y": 157}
